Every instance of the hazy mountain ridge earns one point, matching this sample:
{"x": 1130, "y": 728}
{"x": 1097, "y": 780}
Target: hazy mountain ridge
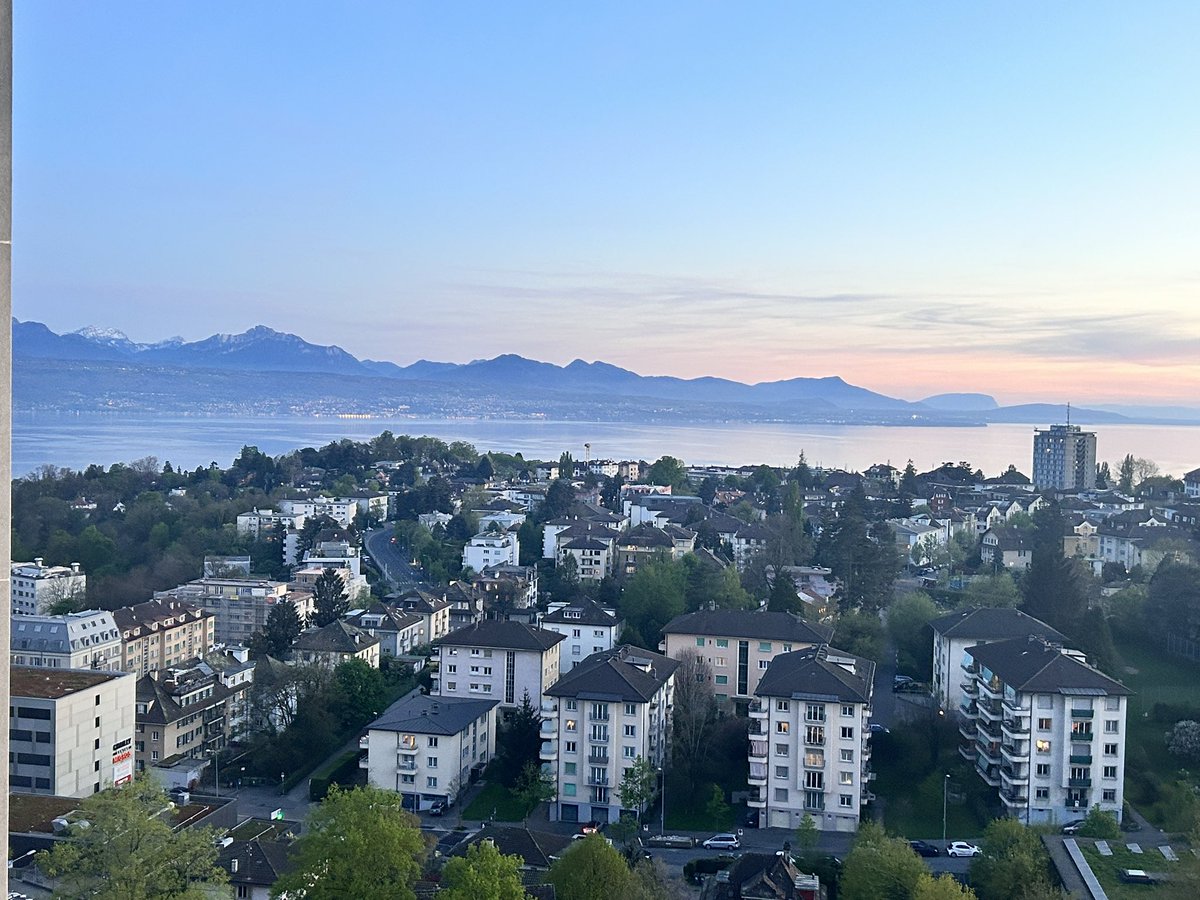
{"x": 98, "y": 369}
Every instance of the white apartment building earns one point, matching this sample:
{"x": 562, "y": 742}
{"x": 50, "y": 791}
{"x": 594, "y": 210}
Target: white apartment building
{"x": 610, "y": 710}
{"x": 491, "y": 548}
{"x": 334, "y": 555}
{"x": 810, "y": 736}
{"x": 433, "y": 610}
{"x": 70, "y": 731}
{"x": 586, "y": 627}
{"x": 257, "y": 522}
{"x": 500, "y": 660}
{"x": 1044, "y": 728}
{"x": 240, "y": 605}
{"x": 35, "y": 587}
{"x": 341, "y": 510}
{"x": 739, "y": 644}
{"x": 398, "y": 632}
{"x": 424, "y": 747}
{"x": 954, "y": 632}
{"x": 82, "y": 640}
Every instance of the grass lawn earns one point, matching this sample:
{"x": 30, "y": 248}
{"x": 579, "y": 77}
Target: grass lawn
{"x": 495, "y": 799}
{"x": 1107, "y": 868}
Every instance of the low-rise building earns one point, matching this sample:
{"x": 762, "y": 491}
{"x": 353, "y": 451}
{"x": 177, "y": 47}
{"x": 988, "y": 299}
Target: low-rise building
{"x": 70, "y": 730}
{"x": 491, "y": 548}
{"x": 498, "y": 659}
{"x": 738, "y": 645}
{"x": 185, "y": 713}
{"x": 82, "y": 640}
{"x": 159, "y": 634}
{"x": 586, "y": 627}
{"x": 334, "y": 644}
{"x": 1044, "y": 728}
{"x": 425, "y": 747}
{"x": 259, "y": 522}
{"x": 35, "y": 587}
{"x": 810, "y": 737}
{"x": 398, "y": 631}
{"x": 434, "y": 610}
{"x": 609, "y": 711}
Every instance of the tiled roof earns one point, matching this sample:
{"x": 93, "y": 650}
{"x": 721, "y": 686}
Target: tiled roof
{"x": 502, "y": 636}
{"x": 624, "y": 673}
{"x": 742, "y": 623}
{"x": 815, "y": 672}
{"x": 1033, "y": 665}
{"x": 336, "y": 637}
{"x": 992, "y": 624}
{"x": 581, "y": 612}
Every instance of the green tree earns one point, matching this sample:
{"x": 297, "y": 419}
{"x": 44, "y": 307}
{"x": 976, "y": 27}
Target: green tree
{"x": 1013, "y": 860}
{"x": 653, "y": 596}
{"x": 993, "y": 591}
{"x": 638, "y": 786}
{"x": 1053, "y": 588}
{"x": 808, "y": 835}
{"x": 908, "y": 621}
{"x": 282, "y": 628}
{"x": 717, "y": 808}
{"x": 668, "y": 470}
{"x": 360, "y": 691}
{"x": 1125, "y": 474}
{"x": 1100, "y": 824}
{"x": 860, "y": 633}
{"x": 357, "y": 843}
{"x": 519, "y": 740}
{"x": 695, "y": 714}
{"x": 483, "y": 874}
{"x": 783, "y": 597}
{"x": 131, "y": 852}
{"x": 329, "y": 600}
{"x": 533, "y": 786}
{"x": 942, "y": 887}
{"x": 880, "y": 867}
{"x": 590, "y": 870}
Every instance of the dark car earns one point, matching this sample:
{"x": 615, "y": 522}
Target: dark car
{"x": 1073, "y": 826}
{"x": 438, "y": 808}
{"x": 751, "y": 820}
{"x": 924, "y": 848}
{"x": 910, "y": 687}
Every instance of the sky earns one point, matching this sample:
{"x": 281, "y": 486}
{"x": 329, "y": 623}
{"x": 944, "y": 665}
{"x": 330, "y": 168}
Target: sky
{"x": 919, "y": 197}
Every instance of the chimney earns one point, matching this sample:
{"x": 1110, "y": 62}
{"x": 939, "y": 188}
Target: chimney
{"x": 75, "y": 568}
{"x": 37, "y": 561}
{"x": 233, "y": 865}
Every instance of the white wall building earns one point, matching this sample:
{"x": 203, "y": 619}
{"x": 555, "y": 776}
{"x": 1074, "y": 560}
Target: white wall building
{"x": 425, "y": 747}
{"x": 259, "y": 521}
{"x": 597, "y": 721}
{"x": 82, "y": 640}
{"x": 586, "y": 627}
{"x": 498, "y": 660}
{"x": 810, "y": 744}
{"x": 35, "y": 587}
{"x": 1044, "y": 728}
{"x": 70, "y": 731}
{"x": 491, "y": 548}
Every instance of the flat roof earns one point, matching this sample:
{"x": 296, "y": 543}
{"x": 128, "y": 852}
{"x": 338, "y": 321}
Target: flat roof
{"x": 51, "y": 684}
{"x": 33, "y": 813}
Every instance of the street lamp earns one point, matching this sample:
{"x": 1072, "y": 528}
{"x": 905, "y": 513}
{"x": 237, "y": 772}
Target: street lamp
{"x": 662, "y": 827}
{"x": 945, "y": 790}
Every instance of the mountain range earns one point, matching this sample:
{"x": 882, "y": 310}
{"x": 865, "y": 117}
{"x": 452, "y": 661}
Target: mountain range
{"x": 98, "y": 369}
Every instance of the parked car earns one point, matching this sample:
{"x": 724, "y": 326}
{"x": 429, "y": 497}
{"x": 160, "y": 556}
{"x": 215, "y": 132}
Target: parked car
{"x": 722, "y": 841}
{"x": 180, "y": 795}
{"x": 1073, "y": 826}
{"x": 910, "y": 687}
{"x": 962, "y": 848}
{"x": 924, "y": 848}
{"x": 876, "y": 728}
{"x": 751, "y": 820}
{"x": 1136, "y": 876}
{"x": 438, "y": 808}
{"x": 898, "y": 680}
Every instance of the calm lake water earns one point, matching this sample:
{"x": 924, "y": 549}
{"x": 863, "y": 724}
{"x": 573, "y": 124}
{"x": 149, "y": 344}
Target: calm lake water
{"x": 78, "y": 441}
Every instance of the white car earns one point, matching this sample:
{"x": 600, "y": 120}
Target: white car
{"x": 722, "y": 842}
{"x": 962, "y": 848}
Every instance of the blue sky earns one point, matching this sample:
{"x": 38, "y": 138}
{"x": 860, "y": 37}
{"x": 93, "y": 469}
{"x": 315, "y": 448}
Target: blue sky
{"x": 918, "y": 197}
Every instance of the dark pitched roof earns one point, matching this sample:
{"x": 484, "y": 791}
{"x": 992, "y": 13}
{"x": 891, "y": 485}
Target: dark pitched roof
{"x": 818, "y": 672}
{"x": 502, "y": 636}
{"x": 336, "y": 637}
{"x": 581, "y": 612}
{"x": 259, "y": 863}
{"x": 760, "y": 875}
{"x": 743, "y": 623}
{"x": 389, "y": 618}
{"x": 538, "y": 849}
{"x": 424, "y": 714}
{"x": 622, "y": 673}
{"x": 992, "y": 624}
{"x": 1035, "y": 666}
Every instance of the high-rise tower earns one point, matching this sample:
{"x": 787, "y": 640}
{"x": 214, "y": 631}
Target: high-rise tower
{"x": 1064, "y": 458}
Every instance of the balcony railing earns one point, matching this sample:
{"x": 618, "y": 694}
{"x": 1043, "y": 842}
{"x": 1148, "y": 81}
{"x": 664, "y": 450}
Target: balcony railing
{"x": 1079, "y": 782}
{"x": 598, "y": 757}
{"x": 970, "y": 687}
{"x": 1015, "y": 751}
{"x": 598, "y": 782}
{"x": 1081, "y": 759}
{"x": 990, "y": 711}
{"x": 1082, "y": 713}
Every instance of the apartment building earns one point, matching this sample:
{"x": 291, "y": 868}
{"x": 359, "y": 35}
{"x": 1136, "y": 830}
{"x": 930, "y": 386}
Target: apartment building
{"x": 70, "y": 730}
{"x": 159, "y": 634}
{"x": 1064, "y": 458}
{"x": 611, "y": 709}
{"x": 955, "y": 632}
{"x": 1045, "y": 729}
{"x": 738, "y": 645}
{"x": 425, "y": 747}
{"x": 185, "y": 712}
{"x": 398, "y": 632}
{"x": 341, "y": 510}
{"x": 35, "y": 587}
{"x": 491, "y": 548}
{"x": 434, "y": 610}
{"x": 259, "y": 522}
{"x": 334, "y": 644}
{"x": 504, "y": 660}
{"x": 586, "y": 627}
{"x": 240, "y": 606}
{"x": 810, "y": 747}
{"x": 82, "y": 640}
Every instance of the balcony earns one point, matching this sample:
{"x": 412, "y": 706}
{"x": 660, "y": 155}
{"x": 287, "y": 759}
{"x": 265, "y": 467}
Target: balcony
{"x": 364, "y": 742}
{"x": 1015, "y": 752}
{"x": 602, "y": 781}
{"x": 968, "y": 710}
{"x": 993, "y": 689}
{"x": 1014, "y": 775}
{"x": 1014, "y": 798}
{"x": 757, "y": 776}
{"x": 406, "y": 766}
{"x": 969, "y": 666}
{"x": 757, "y": 727}
{"x": 967, "y": 751}
{"x": 1077, "y": 803}
{"x": 991, "y": 729}
{"x": 598, "y": 717}
{"x": 1081, "y": 759}
{"x": 549, "y": 708}
{"x": 756, "y": 802}
{"x": 990, "y": 711}
{"x": 970, "y": 687}
{"x": 549, "y": 728}
{"x": 989, "y": 752}
{"x": 1013, "y": 707}
{"x": 968, "y": 729}
{"x": 990, "y": 774}
{"x": 1015, "y": 728}
{"x": 1079, "y": 782}
{"x": 406, "y": 750}
{"x": 549, "y": 750}
{"x": 759, "y": 710}
{"x": 598, "y": 756}
{"x": 598, "y": 738}
{"x": 758, "y": 750}
{"x": 1082, "y": 713}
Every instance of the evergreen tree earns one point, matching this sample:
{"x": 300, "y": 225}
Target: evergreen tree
{"x": 1054, "y": 588}
{"x": 783, "y": 597}
{"x": 280, "y": 632}
{"x": 329, "y": 600}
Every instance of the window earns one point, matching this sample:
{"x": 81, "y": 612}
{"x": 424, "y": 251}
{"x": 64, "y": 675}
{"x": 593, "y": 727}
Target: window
{"x": 433, "y": 742}
{"x": 1110, "y": 749}
{"x": 1044, "y": 724}
{"x": 408, "y": 778}
{"x": 1045, "y": 701}
{"x": 763, "y": 663}
{"x": 699, "y": 642}
{"x": 764, "y": 646}
{"x": 814, "y": 781}
{"x": 845, "y": 777}
{"x": 847, "y": 756}
{"x": 569, "y": 746}
{"x": 781, "y": 749}
{"x": 630, "y": 752}
{"x": 814, "y": 758}
{"x": 451, "y": 686}
{"x": 571, "y": 725}
{"x": 814, "y": 734}
{"x": 630, "y": 731}
{"x": 451, "y": 669}
{"x": 847, "y": 709}
{"x": 781, "y": 771}
{"x": 721, "y": 679}
{"x": 1111, "y": 726}
{"x": 568, "y": 768}
{"x": 1042, "y": 746}
{"x": 1042, "y": 793}
{"x": 787, "y": 648}
{"x": 1112, "y": 704}
{"x": 572, "y": 704}
{"x": 814, "y": 712}
{"x": 781, "y": 795}
{"x": 568, "y": 790}
{"x": 782, "y": 727}
{"x": 1110, "y": 795}
{"x": 847, "y": 733}
{"x": 431, "y": 762}
{"x": 722, "y": 642}
{"x": 814, "y": 800}
{"x": 1043, "y": 770}
{"x": 1110, "y": 771}
{"x": 782, "y": 705}
{"x": 243, "y": 891}
{"x": 720, "y": 662}
{"x": 631, "y": 709}
{"x": 431, "y": 782}
{"x": 845, "y": 800}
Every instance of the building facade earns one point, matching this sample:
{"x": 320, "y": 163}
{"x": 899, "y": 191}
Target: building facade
{"x": 498, "y": 660}
{"x": 240, "y": 606}
{"x": 159, "y": 634}
{"x": 82, "y": 640}
{"x": 1064, "y": 458}
{"x": 586, "y": 627}
{"x": 36, "y": 587}
{"x": 810, "y": 739}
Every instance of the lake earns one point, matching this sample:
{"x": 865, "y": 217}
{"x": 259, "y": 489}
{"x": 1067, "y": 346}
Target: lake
{"x": 78, "y": 441}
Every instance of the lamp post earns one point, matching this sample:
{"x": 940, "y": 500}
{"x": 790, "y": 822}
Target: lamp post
{"x": 945, "y": 790}
{"x": 662, "y": 827}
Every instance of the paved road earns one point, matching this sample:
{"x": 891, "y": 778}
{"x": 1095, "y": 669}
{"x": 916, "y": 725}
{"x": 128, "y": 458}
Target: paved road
{"x": 392, "y": 559}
